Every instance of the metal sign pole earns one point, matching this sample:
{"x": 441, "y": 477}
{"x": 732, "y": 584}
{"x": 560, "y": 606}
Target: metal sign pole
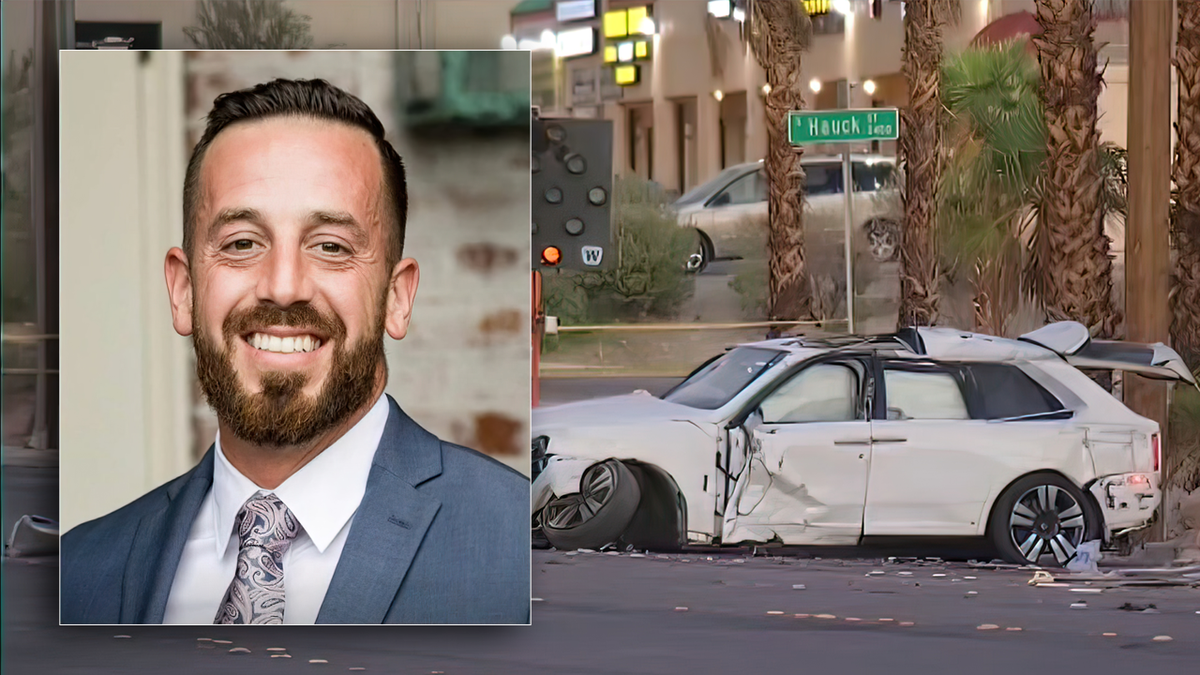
{"x": 848, "y": 192}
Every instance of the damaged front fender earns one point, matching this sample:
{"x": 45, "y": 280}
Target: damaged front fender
{"x": 559, "y": 477}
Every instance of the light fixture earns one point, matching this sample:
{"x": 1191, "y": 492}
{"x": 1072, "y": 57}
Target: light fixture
{"x": 739, "y": 14}
{"x": 625, "y": 51}
{"x": 719, "y": 95}
{"x": 576, "y": 42}
{"x": 842, "y": 7}
{"x": 508, "y": 42}
{"x": 766, "y": 89}
{"x": 814, "y": 85}
{"x": 647, "y": 26}
{"x": 549, "y": 40}
{"x": 869, "y": 87}
{"x": 720, "y": 8}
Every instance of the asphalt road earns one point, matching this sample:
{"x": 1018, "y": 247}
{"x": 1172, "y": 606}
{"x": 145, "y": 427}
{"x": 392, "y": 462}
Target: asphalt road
{"x": 696, "y": 613}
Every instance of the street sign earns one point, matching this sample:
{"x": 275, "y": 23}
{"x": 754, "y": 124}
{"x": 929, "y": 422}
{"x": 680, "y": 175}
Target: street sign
{"x": 843, "y": 126}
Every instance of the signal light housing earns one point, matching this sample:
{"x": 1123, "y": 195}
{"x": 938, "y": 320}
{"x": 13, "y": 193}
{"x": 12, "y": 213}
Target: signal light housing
{"x": 551, "y": 256}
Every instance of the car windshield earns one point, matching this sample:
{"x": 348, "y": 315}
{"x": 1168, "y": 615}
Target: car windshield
{"x": 704, "y": 190}
{"x": 872, "y": 176}
{"x": 717, "y": 382}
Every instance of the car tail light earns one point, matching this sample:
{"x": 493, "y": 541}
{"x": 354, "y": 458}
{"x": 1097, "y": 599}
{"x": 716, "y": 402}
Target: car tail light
{"x": 1156, "y": 451}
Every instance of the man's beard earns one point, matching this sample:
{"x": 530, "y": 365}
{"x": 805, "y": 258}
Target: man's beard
{"x": 282, "y": 414}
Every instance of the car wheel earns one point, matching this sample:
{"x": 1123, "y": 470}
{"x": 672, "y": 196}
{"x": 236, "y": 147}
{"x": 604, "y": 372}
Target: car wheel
{"x": 701, "y": 255}
{"x": 1042, "y": 516}
{"x": 596, "y": 515}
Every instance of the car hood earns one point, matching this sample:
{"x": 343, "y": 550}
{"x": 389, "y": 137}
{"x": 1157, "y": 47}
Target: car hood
{"x": 630, "y": 409}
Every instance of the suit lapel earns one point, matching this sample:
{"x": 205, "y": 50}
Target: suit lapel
{"x": 388, "y": 526}
{"x": 158, "y": 546}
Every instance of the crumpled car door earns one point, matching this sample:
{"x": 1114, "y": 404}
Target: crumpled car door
{"x": 800, "y": 483}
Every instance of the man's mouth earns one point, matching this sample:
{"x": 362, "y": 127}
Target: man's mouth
{"x": 284, "y": 345}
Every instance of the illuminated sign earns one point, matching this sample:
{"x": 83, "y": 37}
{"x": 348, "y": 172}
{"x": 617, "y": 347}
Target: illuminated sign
{"x": 627, "y": 75}
{"x": 576, "y": 42}
{"x": 627, "y": 51}
{"x": 574, "y": 10}
{"x": 626, "y": 22}
{"x": 818, "y": 7}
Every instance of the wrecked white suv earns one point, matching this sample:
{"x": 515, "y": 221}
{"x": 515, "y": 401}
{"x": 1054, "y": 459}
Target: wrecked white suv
{"x": 927, "y": 432}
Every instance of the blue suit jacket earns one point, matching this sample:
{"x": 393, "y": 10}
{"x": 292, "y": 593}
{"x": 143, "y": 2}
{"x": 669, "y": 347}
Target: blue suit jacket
{"x": 441, "y": 536}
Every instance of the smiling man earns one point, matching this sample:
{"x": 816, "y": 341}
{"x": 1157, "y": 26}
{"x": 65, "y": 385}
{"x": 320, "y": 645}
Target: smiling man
{"x": 320, "y": 501}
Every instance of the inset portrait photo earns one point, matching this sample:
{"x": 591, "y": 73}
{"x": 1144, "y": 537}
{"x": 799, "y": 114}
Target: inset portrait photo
{"x": 295, "y": 318}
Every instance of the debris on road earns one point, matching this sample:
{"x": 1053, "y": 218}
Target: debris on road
{"x": 988, "y": 626}
{"x": 800, "y": 587}
{"x": 1163, "y": 638}
{"x": 239, "y": 650}
{"x": 681, "y": 609}
{"x": 1079, "y": 605}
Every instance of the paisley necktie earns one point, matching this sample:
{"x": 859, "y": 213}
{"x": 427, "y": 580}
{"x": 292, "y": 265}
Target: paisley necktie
{"x": 265, "y": 529}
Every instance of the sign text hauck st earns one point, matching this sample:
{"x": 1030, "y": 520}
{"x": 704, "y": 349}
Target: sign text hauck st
{"x": 843, "y": 126}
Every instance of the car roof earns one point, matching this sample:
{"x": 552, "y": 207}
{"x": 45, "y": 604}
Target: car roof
{"x": 918, "y": 342}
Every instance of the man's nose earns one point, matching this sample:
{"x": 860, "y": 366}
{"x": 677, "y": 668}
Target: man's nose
{"x": 285, "y": 280}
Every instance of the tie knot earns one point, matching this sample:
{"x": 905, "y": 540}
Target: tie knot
{"x": 265, "y": 521}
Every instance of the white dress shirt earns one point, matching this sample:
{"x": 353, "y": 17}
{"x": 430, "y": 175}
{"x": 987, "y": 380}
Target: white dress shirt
{"x": 323, "y": 495}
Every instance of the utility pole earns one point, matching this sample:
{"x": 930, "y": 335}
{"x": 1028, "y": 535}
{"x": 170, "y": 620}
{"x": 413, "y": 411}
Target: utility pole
{"x": 1147, "y": 247}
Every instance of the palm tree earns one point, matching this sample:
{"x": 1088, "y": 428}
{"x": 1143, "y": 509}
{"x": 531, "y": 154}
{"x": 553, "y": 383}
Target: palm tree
{"x": 921, "y": 128}
{"x": 998, "y": 141}
{"x": 249, "y": 24}
{"x": 778, "y": 33}
{"x": 1185, "y": 296}
{"x": 1074, "y": 269}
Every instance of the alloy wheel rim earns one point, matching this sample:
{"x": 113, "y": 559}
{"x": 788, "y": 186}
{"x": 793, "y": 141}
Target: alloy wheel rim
{"x": 1047, "y": 519}
{"x": 595, "y": 489}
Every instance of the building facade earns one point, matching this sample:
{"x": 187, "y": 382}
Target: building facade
{"x": 693, "y": 100}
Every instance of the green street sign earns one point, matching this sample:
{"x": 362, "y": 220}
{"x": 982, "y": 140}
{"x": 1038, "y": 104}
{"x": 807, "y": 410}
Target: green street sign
{"x": 843, "y": 126}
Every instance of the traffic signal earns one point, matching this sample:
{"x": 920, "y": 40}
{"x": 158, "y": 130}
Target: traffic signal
{"x": 572, "y": 194}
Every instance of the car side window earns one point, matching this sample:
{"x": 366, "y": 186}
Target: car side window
{"x": 923, "y": 395}
{"x": 1002, "y": 390}
{"x": 825, "y": 392}
{"x": 824, "y": 178}
{"x": 744, "y": 190}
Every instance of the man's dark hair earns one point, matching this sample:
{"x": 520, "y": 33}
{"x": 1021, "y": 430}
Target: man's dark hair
{"x": 316, "y": 99}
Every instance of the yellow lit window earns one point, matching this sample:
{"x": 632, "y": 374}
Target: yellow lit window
{"x": 641, "y": 50}
{"x": 610, "y": 54}
{"x": 616, "y": 24}
{"x": 636, "y": 14}
{"x": 626, "y": 75}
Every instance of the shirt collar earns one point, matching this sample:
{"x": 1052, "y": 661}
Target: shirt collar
{"x": 322, "y": 495}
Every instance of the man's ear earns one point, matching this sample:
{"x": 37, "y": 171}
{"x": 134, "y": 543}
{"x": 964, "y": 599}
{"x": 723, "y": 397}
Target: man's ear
{"x": 402, "y": 292}
{"x": 179, "y": 289}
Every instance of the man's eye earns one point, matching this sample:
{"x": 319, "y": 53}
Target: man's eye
{"x": 243, "y": 245}
{"x": 330, "y": 247}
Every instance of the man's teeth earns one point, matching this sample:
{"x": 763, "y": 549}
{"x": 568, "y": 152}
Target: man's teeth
{"x": 287, "y": 345}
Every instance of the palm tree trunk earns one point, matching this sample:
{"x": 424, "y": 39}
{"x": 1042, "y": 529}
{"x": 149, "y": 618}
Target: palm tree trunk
{"x": 1075, "y": 272}
{"x": 777, "y": 40}
{"x": 1185, "y": 295}
{"x": 921, "y": 151}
